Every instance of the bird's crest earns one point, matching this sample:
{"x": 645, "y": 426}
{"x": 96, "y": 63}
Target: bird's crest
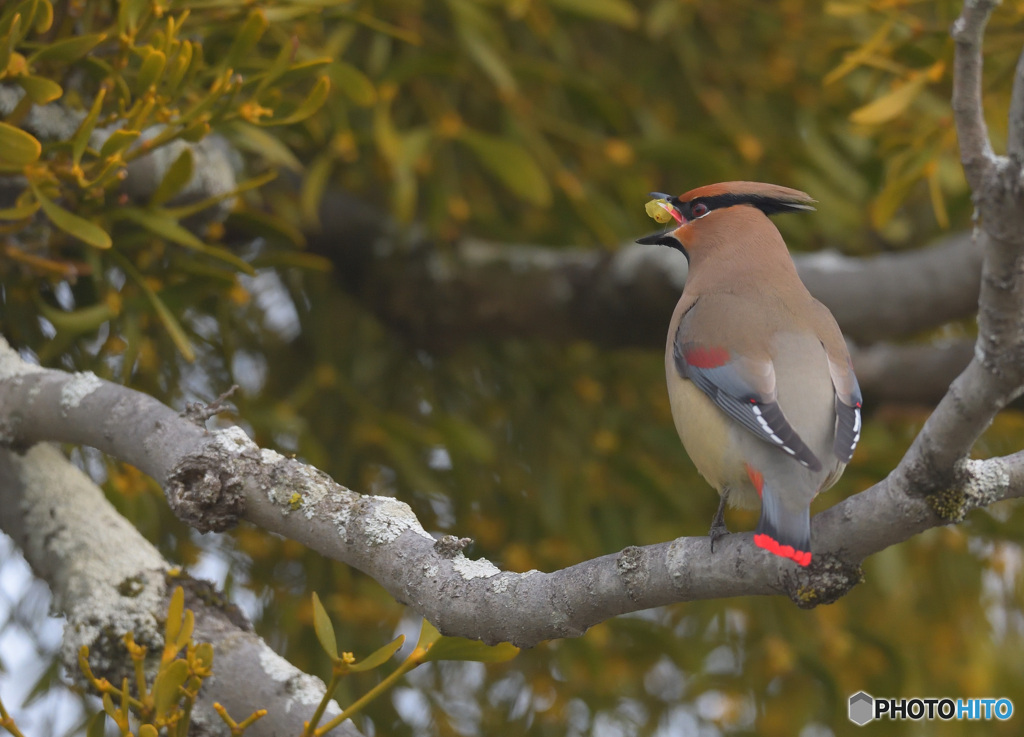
{"x": 770, "y": 199}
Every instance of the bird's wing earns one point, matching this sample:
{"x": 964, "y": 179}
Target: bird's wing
{"x": 848, "y": 396}
{"x": 742, "y": 386}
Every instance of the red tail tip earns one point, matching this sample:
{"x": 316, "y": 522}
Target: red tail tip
{"x": 801, "y": 557}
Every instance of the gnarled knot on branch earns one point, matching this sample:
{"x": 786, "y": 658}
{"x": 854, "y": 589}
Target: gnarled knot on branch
{"x": 206, "y": 488}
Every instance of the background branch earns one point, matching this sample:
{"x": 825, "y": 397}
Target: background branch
{"x": 108, "y": 580}
{"x": 442, "y": 297}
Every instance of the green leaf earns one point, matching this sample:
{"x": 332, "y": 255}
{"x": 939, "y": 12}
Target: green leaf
{"x": 117, "y": 142}
{"x": 83, "y": 229}
{"x": 258, "y": 141}
{"x": 40, "y": 89}
{"x": 307, "y": 107}
{"x": 80, "y": 138}
{"x": 460, "y": 648}
{"x": 619, "y": 12}
{"x": 378, "y": 657}
{"x": 97, "y": 725}
{"x": 484, "y": 54}
{"x": 324, "y": 629}
{"x": 22, "y": 209}
{"x": 512, "y": 164}
{"x": 275, "y": 229}
{"x": 130, "y": 13}
{"x": 44, "y": 16}
{"x": 356, "y": 85}
{"x": 75, "y": 322}
{"x": 18, "y": 148}
{"x": 162, "y": 223}
{"x": 246, "y": 39}
{"x": 151, "y": 70}
{"x": 178, "y": 175}
{"x": 9, "y": 38}
{"x": 171, "y": 324}
{"x": 165, "y": 687}
{"x": 178, "y": 66}
{"x": 67, "y": 49}
{"x": 314, "y": 184}
{"x": 108, "y": 706}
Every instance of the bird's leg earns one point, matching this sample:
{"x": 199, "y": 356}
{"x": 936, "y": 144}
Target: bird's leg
{"x": 718, "y": 529}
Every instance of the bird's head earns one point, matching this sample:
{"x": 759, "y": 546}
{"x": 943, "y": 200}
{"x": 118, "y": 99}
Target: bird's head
{"x": 689, "y": 213}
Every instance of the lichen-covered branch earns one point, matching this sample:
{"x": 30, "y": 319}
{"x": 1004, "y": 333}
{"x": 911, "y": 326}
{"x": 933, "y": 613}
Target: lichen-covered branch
{"x": 108, "y": 580}
{"x": 222, "y": 476}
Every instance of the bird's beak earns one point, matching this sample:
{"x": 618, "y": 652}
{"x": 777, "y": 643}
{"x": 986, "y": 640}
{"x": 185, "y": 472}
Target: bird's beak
{"x": 664, "y": 238}
{"x": 659, "y": 196}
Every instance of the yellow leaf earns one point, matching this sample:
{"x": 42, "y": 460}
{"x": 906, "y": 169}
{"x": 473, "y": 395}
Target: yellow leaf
{"x": 166, "y": 685}
{"x": 890, "y": 105}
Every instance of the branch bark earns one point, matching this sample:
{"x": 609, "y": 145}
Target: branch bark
{"x": 108, "y": 580}
{"x": 213, "y": 478}
{"x": 440, "y": 298}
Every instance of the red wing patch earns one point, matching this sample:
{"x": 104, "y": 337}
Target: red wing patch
{"x": 706, "y": 357}
{"x": 756, "y": 478}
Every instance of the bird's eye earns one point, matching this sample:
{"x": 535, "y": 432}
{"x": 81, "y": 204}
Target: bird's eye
{"x": 699, "y": 210}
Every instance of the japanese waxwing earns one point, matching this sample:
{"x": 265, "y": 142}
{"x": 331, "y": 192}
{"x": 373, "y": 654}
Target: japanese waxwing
{"x": 761, "y": 386}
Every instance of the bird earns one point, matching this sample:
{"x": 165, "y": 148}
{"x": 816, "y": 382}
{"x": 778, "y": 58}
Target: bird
{"x": 760, "y": 382}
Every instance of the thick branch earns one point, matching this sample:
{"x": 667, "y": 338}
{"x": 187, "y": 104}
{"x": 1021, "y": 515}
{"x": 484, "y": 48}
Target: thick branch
{"x": 381, "y": 535}
{"x": 108, "y": 580}
{"x": 440, "y": 298}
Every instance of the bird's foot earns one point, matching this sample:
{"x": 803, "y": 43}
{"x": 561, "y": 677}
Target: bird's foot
{"x": 716, "y": 533}
{"x": 718, "y": 529}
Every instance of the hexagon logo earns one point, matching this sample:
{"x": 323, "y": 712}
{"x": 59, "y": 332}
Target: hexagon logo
{"x": 862, "y": 708}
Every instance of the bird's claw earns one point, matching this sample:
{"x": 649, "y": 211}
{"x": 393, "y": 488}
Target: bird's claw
{"x": 716, "y": 533}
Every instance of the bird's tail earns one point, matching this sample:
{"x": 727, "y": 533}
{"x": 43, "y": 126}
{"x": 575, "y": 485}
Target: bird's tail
{"x": 783, "y": 530}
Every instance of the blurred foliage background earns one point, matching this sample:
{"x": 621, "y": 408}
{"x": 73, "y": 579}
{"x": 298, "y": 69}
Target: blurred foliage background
{"x": 526, "y": 121}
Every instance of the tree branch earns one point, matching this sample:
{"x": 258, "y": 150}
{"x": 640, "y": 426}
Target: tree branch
{"x": 440, "y": 298}
{"x": 108, "y": 580}
{"x": 220, "y": 475}
{"x": 975, "y": 149}
{"x": 1015, "y": 135}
